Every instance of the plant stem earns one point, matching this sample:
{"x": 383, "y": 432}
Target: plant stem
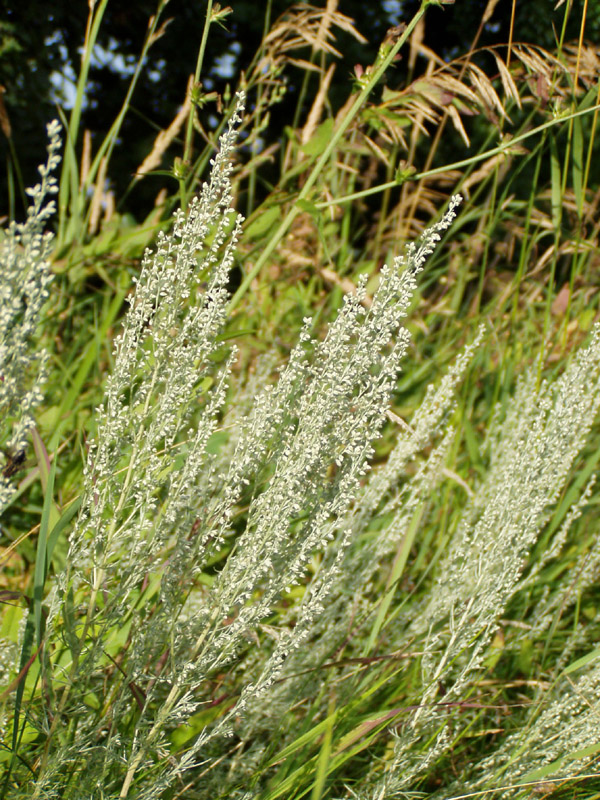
{"x": 325, "y": 156}
{"x": 187, "y": 149}
{"x": 502, "y": 148}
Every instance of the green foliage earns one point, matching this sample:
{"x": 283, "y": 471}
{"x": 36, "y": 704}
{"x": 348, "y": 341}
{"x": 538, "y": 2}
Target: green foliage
{"x": 250, "y": 557}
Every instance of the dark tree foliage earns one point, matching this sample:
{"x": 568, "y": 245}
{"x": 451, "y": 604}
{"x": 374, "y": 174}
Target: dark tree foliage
{"x": 39, "y": 42}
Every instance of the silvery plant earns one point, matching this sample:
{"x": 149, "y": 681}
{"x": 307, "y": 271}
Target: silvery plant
{"x": 200, "y": 514}
{"x": 24, "y": 278}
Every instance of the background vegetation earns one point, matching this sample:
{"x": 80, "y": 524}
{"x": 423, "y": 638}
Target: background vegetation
{"x": 498, "y": 103}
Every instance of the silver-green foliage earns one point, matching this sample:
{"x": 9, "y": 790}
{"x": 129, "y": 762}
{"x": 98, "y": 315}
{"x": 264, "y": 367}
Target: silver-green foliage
{"x": 312, "y": 432}
{"x": 276, "y": 490}
{"x": 24, "y": 278}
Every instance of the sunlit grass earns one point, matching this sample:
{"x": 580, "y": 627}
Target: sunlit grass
{"x": 353, "y": 187}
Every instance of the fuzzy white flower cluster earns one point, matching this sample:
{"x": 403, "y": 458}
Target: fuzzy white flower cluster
{"x": 157, "y": 506}
{"x": 145, "y": 464}
{"x": 561, "y": 740}
{"x": 198, "y": 519}
{"x": 532, "y": 449}
{"x": 24, "y": 278}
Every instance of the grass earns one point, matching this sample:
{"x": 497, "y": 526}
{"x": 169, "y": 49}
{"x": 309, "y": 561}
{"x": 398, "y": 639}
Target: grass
{"x": 353, "y": 187}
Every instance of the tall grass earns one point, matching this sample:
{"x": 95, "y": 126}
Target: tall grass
{"x": 353, "y": 554}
